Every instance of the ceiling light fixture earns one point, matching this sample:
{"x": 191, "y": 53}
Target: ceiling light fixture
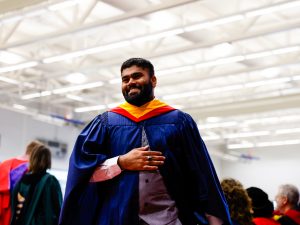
{"x": 278, "y": 143}
{"x": 181, "y": 95}
{"x": 114, "y": 104}
{"x": 211, "y": 138}
{"x": 228, "y": 60}
{"x": 36, "y": 95}
{"x": 288, "y": 131}
{"x": 222, "y": 89}
{"x": 76, "y": 98}
{"x": 214, "y": 22}
{"x": 238, "y": 146}
{"x": 10, "y": 58}
{"x": 63, "y": 90}
{"x": 248, "y": 134}
{"x": 18, "y": 66}
{"x": 272, "y": 9}
{"x": 20, "y": 107}
{"x": 8, "y": 80}
{"x": 175, "y": 70}
{"x": 273, "y": 120}
{"x": 217, "y": 125}
{"x": 76, "y": 78}
{"x": 90, "y": 108}
{"x": 224, "y": 156}
{"x": 229, "y": 88}
{"x": 115, "y": 81}
{"x": 78, "y": 87}
{"x": 263, "y": 144}
{"x": 268, "y": 82}
{"x": 85, "y": 52}
{"x": 213, "y": 119}
{"x": 163, "y": 34}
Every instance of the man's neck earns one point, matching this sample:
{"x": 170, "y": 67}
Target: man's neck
{"x": 286, "y": 208}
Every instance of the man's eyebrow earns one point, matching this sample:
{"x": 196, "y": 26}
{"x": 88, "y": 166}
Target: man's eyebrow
{"x": 135, "y": 73}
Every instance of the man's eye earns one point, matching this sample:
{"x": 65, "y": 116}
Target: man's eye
{"x": 136, "y": 75}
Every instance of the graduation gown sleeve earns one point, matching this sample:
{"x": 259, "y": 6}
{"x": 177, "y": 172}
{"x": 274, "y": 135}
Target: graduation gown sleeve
{"x": 188, "y": 171}
{"x": 208, "y": 195}
{"x": 81, "y": 198}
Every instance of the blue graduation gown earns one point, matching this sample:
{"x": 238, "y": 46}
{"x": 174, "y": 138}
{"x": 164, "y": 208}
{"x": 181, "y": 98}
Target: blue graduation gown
{"x": 188, "y": 172}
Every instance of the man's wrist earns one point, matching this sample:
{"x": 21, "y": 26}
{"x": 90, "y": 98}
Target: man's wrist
{"x": 119, "y": 162}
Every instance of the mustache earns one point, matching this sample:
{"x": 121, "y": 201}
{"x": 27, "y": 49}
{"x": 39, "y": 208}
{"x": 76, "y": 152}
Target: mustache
{"x": 133, "y": 86}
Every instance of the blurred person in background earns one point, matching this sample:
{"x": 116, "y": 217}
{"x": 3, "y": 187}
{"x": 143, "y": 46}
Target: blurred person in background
{"x": 37, "y": 197}
{"x": 11, "y": 171}
{"x": 287, "y": 210}
{"x": 262, "y": 207}
{"x": 238, "y": 201}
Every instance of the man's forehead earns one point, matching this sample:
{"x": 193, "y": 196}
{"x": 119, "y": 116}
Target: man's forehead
{"x": 133, "y": 69}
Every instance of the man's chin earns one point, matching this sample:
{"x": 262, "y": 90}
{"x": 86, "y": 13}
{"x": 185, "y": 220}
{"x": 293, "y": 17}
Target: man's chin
{"x": 134, "y": 100}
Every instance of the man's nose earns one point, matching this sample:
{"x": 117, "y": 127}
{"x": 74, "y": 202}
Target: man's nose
{"x": 131, "y": 82}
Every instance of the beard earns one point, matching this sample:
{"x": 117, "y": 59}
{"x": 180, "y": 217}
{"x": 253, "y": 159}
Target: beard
{"x": 143, "y": 96}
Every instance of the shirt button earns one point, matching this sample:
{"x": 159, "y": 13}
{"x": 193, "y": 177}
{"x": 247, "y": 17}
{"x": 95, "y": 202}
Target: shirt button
{"x": 147, "y": 181}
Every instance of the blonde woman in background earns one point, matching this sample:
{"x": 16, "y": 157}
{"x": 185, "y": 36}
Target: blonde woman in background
{"x": 238, "y": 201}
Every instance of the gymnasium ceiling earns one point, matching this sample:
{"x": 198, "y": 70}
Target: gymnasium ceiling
{"x": 233, "y": 65}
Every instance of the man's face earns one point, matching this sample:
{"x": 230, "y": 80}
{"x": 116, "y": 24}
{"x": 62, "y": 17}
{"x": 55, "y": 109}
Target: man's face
{"x": 280, "y": 202}
{"x": 137, "y": 86}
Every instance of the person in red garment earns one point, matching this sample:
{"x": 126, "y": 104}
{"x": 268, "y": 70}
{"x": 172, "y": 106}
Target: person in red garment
{"x": 11, "y": 171}
{"x": 287, "y": 199}
{"x": 262, "y": 207}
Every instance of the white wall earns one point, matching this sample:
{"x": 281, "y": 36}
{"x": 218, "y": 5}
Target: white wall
{"x": 17, "y": 130}
{"x": 276, "y": 166}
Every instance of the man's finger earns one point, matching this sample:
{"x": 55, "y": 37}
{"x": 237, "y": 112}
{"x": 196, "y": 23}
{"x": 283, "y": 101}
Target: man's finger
{"x": 147, "y": 167}
{"x": 156, "y": 163}
{"x": 153, "y": 153}
{"x": 155, "y": 158}
{"x": 145, "y": 148}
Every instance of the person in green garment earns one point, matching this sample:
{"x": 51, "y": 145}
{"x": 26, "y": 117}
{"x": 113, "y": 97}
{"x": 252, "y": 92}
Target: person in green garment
{"x": 37, "y": 197}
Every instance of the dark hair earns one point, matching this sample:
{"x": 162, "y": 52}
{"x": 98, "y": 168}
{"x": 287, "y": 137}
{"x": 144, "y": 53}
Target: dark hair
{"x": 31, "y": 146}
{"x": 40, "y": 159}
{"x": 261, "y": 205}
{"x": 139, "y": 62}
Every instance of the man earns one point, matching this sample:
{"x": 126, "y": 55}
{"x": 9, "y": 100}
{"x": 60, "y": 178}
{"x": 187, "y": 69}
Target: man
{"x": 287, "y": 200}
{"x": 143, "y": 162}
{"x": 11, "y": 171}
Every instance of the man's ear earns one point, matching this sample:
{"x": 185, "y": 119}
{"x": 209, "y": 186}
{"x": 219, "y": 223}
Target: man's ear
{"x": 284, "y": 200}
{"x": 153, "y": 81}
